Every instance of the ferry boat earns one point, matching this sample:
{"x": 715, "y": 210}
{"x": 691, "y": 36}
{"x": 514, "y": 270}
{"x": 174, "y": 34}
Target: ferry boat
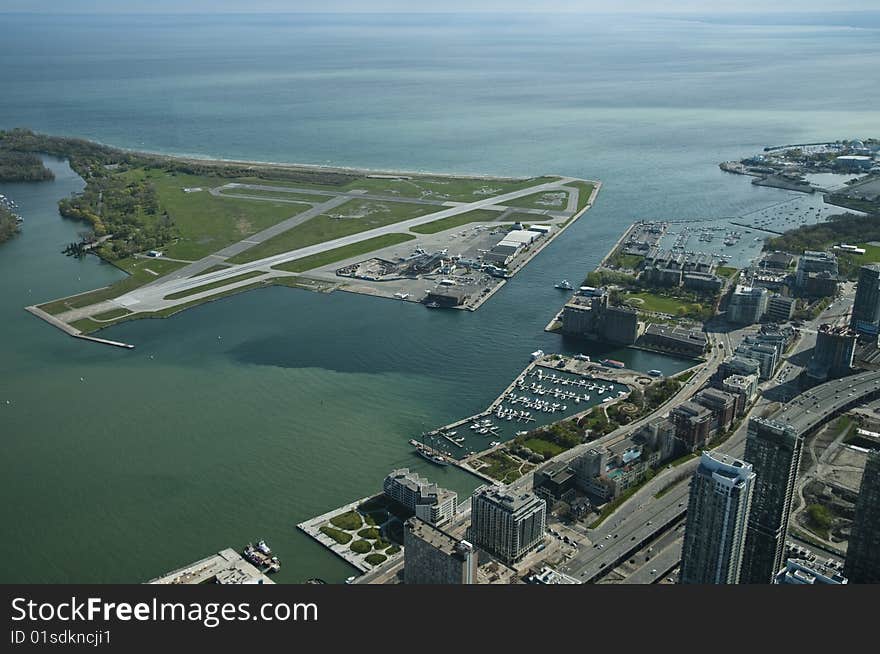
{"x": 564, "y": 285}
{"x": 655, "y": 373}
{"x": 537, "y": 354}
{"x": 260, "y": 555}
{"x": 613, "y": 363}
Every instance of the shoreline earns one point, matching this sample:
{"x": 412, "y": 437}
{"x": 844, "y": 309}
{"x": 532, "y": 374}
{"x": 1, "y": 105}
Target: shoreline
{"x": 334, "y": 168}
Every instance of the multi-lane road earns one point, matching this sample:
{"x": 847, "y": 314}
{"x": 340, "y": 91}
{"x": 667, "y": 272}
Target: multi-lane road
{"x": 644, "y": 517}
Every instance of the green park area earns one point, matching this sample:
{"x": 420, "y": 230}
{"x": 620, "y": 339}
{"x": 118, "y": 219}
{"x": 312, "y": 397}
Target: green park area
{"x": 656, "y": 303}
{"x": 344, "y": 252}
{"x": 441, "y": 225}
{"x": 503, "y": 467}
{"x": 626, "y": 261}
{"x": 264, "y": 194}
{"x": 205, "y": 223}
{"x": 352, "y": 217}
{"x": 548, "y": 200}
{"x": 374, "y": 529}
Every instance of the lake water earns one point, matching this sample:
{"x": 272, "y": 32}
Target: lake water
{"x": 243, "y": 417}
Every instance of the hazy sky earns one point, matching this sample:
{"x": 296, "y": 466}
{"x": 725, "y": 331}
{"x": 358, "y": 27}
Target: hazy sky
{"x": 659, "y": 6}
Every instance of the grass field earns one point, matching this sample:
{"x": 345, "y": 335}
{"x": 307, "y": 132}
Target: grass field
{"x": 585, "y": 190}
{"x": 475, "y": 216}
{"x": 541, "y": 201}
{"x": 353, "y": 217}
{"x": 871, "y": 255}
{"x": 276, "y": 195}
{"x": 630, "y": 261}
{"x": 543, "y": 447}
{"x": 213, "y": 285}
{"x": 658, "y": 303}
{"x": 207, "y": 223}
{"x": 344, "y": 252}
{"x": 461, "y": 189}
{"x": 138, "y": 277}
{"x": 503, "y": 468}
{"x": 725, "y": 271}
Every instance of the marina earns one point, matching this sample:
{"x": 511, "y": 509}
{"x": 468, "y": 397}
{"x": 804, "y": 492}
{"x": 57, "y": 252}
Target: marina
{"x": 551, "y": 388}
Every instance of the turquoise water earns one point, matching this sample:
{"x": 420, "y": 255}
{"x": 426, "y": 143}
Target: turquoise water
{"x": 240, "y": 418}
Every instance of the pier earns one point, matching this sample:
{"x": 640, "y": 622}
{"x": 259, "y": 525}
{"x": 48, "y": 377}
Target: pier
{"x": 73, "y": 331}
{"x": 225, "y": 567}
{"x": 596, "y": 372}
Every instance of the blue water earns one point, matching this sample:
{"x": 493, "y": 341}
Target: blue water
{"x": 191, "y": 443}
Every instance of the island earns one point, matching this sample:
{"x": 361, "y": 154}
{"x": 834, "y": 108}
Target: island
{"x": 192, "y": 230}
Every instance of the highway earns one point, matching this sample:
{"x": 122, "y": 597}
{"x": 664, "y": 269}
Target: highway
{"x": 643, "y": 517}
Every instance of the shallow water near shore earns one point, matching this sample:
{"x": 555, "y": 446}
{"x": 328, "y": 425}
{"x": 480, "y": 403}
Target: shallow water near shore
{"x": 240, "y": 418}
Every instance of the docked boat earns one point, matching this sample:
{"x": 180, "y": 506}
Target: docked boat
{"x": 537, "y": 354}
{"x": 427, "y": 453}
{"x": 613, "y": 363}
{"x": 655, "y": 373}
{"x": 564, "y": 285}
{"x": 260, "y": 556}
{"x": 432, "y": 305}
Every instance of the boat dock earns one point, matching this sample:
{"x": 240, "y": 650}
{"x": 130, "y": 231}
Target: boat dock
{"x": 73, "y": 331}
{"x": 225, "y": 567}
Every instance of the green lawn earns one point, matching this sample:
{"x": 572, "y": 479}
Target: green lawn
{"x": 361, "y": 546}
{"x": 353, "y": 217}
{"x": 341, "y": 537}
{"x": 501, "y": 467}
{"x": 350, "y": 521}
{"x": 543, "y": 200}
{"x": 585, "y": 190}
{"x": 725, "y": 271}
{"x": 213, "y": 285}
{"x": 871, "y": 255}
{"x": 461, "y": 189}
{"x": 544, "y": 447}
{"x": 207, "y": 223}
{"x": 276, "y": 195}
{"x": 631, "y": 261}
{"x": 344, "y": 252}
{"x": 475, "y": 216}
{"x": 375, "y": 558}
{"x": 658, "y": 303}
{"x": 138, "y": 277}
